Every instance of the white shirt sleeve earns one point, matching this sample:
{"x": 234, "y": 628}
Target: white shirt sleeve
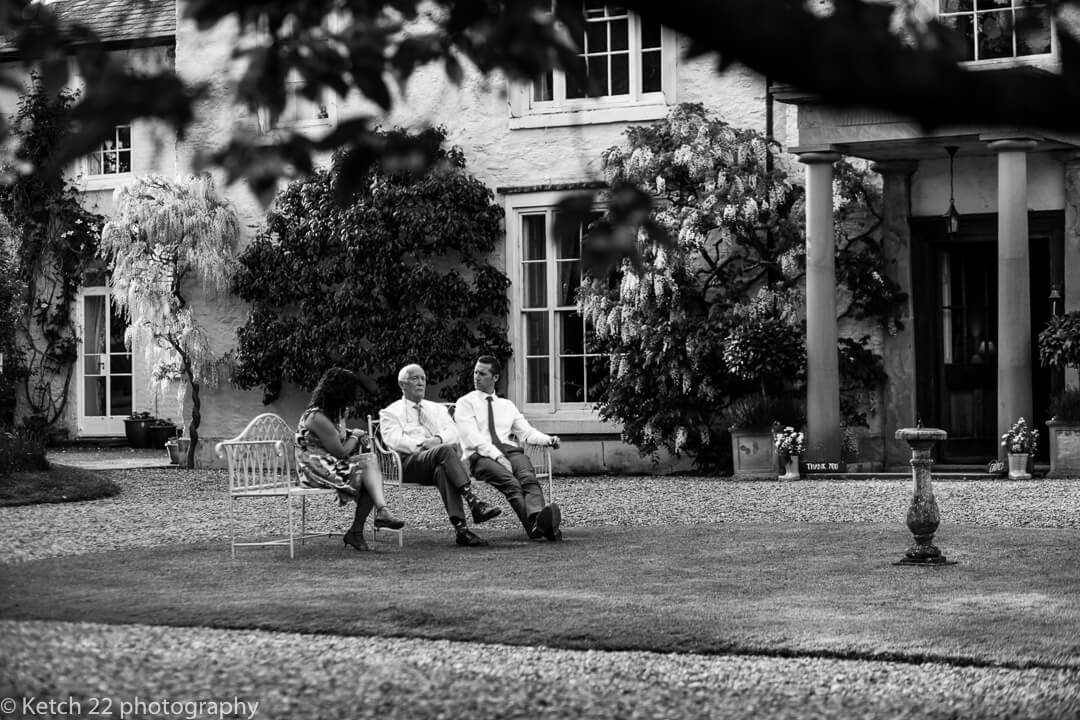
{"x": 392, "y": 429}
{"x": 442, "y": 422}
{"x": 524, "y": 432}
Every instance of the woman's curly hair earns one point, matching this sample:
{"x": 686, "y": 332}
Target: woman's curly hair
{"x": 336, "y": 391}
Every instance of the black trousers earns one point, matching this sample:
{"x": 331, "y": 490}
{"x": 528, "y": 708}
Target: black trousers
{"x": 439, "y": 466}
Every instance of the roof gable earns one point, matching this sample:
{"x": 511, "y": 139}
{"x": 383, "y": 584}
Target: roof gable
{"x": 125, "y": 22}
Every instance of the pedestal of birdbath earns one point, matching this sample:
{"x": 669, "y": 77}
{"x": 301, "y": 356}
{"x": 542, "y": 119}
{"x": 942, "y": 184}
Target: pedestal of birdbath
{"x": 922, "y": 516}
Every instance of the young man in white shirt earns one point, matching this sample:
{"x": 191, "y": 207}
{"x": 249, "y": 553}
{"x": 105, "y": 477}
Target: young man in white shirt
{"x": 425, "y": 437}
{"x": 485, "y": 423}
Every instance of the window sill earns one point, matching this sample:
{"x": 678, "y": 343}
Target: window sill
{"x": 589, "y": 116}
{"x": 570, "y": 422}
{"x": 90, "y": 183}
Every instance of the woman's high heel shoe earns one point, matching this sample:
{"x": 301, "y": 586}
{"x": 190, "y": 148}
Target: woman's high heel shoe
{"x": 385, "y": 519}
{"x": 356, "y": 540}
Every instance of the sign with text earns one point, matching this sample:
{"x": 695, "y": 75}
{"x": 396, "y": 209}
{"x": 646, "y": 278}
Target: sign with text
{"x": 826, "y": 466}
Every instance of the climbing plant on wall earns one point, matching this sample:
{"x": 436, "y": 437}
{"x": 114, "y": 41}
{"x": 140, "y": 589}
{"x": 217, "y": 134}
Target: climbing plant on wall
{"x": 708, "y": 311}
{"x": 54, "y": 240}
{"x": 399, "y": 274}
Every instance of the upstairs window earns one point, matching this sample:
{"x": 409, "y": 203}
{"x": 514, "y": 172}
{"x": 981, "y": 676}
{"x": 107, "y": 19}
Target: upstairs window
{"x": 1000, "y": 29}
{"x": 625, "y": 63}
{"x": 622, "y": 56}
{"x": 112, "y": 157}
{"x": 300, "y": 112}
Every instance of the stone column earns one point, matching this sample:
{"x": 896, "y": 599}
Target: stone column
{"x": 1014, "y": 285}
{"x": 822, "y": 357}
{"x": 1071, "y": 291}
{"x": 898, "y": 351}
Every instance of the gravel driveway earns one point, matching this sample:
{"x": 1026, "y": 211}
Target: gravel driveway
{"x": 294, "y": 676}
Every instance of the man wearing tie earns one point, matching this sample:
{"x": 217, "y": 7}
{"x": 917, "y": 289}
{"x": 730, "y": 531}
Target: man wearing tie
{"x": 425, "y": 437}
{"x": 485, "y": 423}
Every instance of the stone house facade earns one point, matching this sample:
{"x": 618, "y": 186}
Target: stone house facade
{"x": 964, "y": 362}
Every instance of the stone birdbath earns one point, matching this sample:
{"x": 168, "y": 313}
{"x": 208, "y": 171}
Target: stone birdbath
{"x": 922, "y": 516}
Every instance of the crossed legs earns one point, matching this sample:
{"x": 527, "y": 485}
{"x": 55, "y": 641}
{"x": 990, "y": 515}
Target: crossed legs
{"x": 519, "y": 485}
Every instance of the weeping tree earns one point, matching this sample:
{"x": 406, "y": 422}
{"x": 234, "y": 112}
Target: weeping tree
{"x": 163, "y": 235}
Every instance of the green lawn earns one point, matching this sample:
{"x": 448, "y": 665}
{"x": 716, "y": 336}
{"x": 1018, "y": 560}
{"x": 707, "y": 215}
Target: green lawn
{"x": 58, "y": 484}
{"x": 828, "y": 590}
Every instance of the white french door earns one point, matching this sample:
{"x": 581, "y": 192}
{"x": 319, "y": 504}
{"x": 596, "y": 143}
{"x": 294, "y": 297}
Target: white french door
{"x": 106, "y": 386}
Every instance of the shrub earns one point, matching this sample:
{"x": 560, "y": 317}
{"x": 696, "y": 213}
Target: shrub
{"x": 400, "y": 274}
{"x": 22, "y": 448}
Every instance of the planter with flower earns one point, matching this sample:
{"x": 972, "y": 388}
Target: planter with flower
{"x": 790, "y": 444}
{"x": 1020, "y": 443}
{"x": 1059, "y": 348}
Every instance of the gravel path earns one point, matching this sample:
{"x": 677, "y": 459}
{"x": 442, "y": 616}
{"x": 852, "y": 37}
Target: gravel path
{"x": 293, "y": 676}
{"x": 166, "y": 506}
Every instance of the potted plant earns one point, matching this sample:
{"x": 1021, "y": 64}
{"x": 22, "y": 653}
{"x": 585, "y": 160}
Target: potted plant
{"x": 789, "y": 444}
{"x": 137, "y": 428}
{"x": 161, "y": 430}
{"x": 753, "y": 419}
{"x": 1059, "y": 348}
{"x": 1020, "y": 443}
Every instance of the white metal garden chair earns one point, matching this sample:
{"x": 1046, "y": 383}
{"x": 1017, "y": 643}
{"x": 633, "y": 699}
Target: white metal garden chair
{"x": 262, "y": 464}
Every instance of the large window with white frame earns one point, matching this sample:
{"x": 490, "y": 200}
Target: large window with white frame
{"x": 625, "y": 62}
{"x": 1000, "y": 29}
{"x": 559, "y": 369}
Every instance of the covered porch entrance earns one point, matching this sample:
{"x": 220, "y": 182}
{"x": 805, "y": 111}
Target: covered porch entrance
{"x": 955, "y": 294}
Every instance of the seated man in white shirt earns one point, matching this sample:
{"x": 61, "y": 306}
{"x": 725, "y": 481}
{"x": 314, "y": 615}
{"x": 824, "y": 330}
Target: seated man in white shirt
{"x": 425, "y": 437}
{"x": 485, "y": 423}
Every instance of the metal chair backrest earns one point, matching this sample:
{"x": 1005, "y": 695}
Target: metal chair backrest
{"x": 262, "y": 457}
{"x": 389, "y": 461}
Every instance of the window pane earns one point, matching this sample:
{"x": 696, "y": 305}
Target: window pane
{"x": 120, "y": 363}
{"x": 596, "y": 37}
{"x": 569, "y": 281}
{"x": 93, "y": 365}
{"x": 992, "y": 4}
{"x": 95, "y": 396}
{"x": 620, "y": 34}
{"x": 535, "y": 285}
{"x": 995, "y": 35}
{"x": 109, "y": 159}
{"x": 963, "y": 24}
{"x": 1033, "y": 31}
{"x": 650, "y": 71}
{"x": 569, "y": 245}
{"x": 533, "y": 230}
{"x": 575, "y": 79}
{"x": 650, "y": 34}
{"x": 948, "y": 6}
{"x": 123, "y": 161}
{"x": 596, "y": 371}
{"x": 544, "y": 88}
{"x": 536, "y": 381}
{"x": 117, "y": 326}
{"x": 536, "y": 333}
{"x": 121, "y": 395}
{"x": 598, "y": 76}
{"x": 572, "y": 387}
{"x": 620, "y": 74}
{"x": 123, "y": 136}
{"x": 94, "y": 324}
{"x": 571, "y": 334}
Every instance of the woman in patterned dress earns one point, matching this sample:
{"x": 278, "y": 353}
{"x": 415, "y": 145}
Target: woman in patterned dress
{"x": 331, "y": 456}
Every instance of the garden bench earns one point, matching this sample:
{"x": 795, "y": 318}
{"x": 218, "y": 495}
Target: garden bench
{"x": 262, "y": 464}
{"x": 390, "y": 466}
